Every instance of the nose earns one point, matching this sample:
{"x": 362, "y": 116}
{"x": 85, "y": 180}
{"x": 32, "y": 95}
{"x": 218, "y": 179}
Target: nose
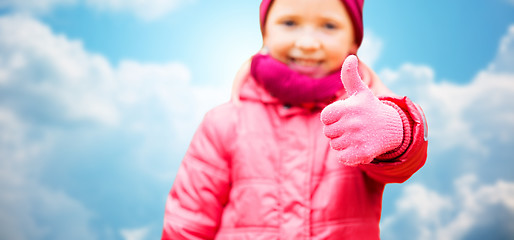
{"x": 307, "y": 41}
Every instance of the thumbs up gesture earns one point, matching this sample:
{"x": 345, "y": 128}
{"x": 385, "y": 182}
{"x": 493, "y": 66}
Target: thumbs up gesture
{"x": 360, "y": 127}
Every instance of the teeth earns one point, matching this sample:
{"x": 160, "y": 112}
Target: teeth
{"x": 306, "y": 62}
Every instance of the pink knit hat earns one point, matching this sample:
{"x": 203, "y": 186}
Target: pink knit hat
{"x": 354, "y": 8}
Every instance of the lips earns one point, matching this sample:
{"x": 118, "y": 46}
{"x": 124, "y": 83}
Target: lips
{"x": 306, "y": 66}
{"x": 306, "y": 62}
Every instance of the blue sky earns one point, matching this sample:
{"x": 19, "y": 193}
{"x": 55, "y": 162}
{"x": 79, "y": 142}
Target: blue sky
{"x": 99, "y": 100}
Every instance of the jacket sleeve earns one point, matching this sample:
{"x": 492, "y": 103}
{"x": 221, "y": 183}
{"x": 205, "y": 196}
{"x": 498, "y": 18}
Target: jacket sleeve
{"x": 200, "y": 190}
{"x": 397, "y": 167}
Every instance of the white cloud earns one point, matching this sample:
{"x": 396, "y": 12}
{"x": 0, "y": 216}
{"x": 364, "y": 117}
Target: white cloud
{"x": 468, "y": 116}
{"x": 84, "y": 86}
{"x": 147, "y": 10}
{"x": 39, "y": 64}
{"x": 477, "y": 121}
{"x": 427, "y": 204}
{"x": 29, "y": 209}
{"x": 35, "y": 6}
{"x": 505, "y": 57}
{"x": 370, "y": 49}
{"x": 53, "y": 91}
{"x": 135, "y": 234}
{"x": 432, "y": 215}
{"x": 144, "y": 9}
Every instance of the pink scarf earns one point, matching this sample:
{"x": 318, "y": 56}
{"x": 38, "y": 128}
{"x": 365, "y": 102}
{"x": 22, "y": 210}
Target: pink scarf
{"x": 291, "y": 87}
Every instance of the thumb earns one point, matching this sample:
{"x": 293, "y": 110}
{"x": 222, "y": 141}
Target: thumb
{"x": 350, "y": 77}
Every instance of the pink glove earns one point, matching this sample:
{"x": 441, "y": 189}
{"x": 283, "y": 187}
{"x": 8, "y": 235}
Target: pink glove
{"x": 360, "y": 127}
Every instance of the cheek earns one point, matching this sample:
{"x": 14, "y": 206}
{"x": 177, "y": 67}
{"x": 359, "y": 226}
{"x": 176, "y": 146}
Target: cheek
{"x": 278, "y": 48}
{"x": 336, "y": 56}
{"x": 337, "y": 49}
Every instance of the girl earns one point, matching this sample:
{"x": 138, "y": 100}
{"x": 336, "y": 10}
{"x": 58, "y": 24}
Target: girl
{"x": 265, "y": 167}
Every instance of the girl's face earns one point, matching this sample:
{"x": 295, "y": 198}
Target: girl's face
{"x": 313, "y": 37}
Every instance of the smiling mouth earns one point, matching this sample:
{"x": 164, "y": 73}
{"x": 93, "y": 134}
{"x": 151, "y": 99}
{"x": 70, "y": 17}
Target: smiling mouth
{"x": 305, "y": 62}
{"x": 308, "y": 67}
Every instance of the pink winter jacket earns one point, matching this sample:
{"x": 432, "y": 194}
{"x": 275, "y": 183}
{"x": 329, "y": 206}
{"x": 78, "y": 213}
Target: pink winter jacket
{"x": 261, "y": 170}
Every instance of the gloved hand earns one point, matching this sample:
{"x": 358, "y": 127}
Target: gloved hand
{"x": 360, "y": 127}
